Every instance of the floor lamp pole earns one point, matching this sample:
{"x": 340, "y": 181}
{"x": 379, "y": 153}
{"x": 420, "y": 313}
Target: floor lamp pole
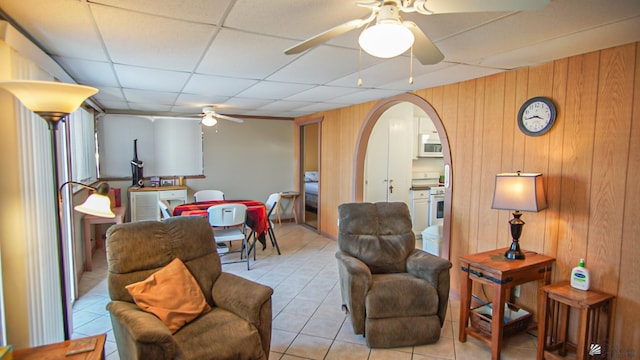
{"x": 53, "y": 129}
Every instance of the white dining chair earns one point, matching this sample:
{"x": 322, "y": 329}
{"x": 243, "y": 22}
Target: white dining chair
{"x": 228, "y": 222}
{"x": 165, "y": 209}
{"x": 206, "y": 195}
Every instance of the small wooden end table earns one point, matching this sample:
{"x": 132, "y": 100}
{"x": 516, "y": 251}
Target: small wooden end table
{"x": 491, "y": 268}
{"x": 594, "y": 314}
{"x": 293, "y": 196}
{"x": 59, "y": 351}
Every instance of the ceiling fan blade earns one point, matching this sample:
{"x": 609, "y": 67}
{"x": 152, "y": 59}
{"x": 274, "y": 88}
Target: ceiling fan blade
{"x": 462, "y": 6}
{"x": 326, "y": 36}
{"x": 220, "y": 116}
{"x": 423, "y": 48}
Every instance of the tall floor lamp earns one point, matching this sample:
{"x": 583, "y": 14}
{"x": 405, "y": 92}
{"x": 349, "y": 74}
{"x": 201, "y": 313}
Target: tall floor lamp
{"x": 53, "y": 101}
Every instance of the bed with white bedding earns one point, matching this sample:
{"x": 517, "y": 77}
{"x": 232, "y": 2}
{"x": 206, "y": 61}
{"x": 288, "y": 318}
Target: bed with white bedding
{"x": 311, "y": 190}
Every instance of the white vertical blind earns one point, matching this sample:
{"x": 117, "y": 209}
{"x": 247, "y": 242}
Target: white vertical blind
{"x": 38, "y": 247}
{"x": 83, "y": 146}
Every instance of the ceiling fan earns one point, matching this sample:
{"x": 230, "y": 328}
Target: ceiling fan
{"x": 210, "y": 117}
{"x": 390, "y": 36}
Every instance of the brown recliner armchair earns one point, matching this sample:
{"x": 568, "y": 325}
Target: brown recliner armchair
{"x": 396, "y": 294}
{"x": 237, "y": 327}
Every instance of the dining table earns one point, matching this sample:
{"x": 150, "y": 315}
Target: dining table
{"x": 256, "y": 214}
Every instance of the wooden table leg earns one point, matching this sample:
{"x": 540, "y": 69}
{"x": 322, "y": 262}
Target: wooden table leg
{"x": 497, "y": 320}
{"x": 465, "y": 303}
{"x": 542, "y": 322}
{"x": 87, "y": 244}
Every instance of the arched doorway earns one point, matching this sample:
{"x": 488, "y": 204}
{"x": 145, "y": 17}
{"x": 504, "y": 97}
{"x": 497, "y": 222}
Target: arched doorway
{"x": 363, "y": 140}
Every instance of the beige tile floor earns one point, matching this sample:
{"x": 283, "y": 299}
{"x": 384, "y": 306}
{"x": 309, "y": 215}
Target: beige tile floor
{"x": 307, "y": 320}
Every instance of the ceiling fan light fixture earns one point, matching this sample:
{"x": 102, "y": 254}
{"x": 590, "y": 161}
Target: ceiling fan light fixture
{"x": 209, "y": 120}
{"x": 386, "y": 40}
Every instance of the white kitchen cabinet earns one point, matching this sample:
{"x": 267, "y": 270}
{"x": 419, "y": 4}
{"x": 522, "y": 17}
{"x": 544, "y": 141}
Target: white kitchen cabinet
{"x": 144, "y": 201}
{"x": 426, "y": 126}
{"x": 388, "y": 162}
{"x": 419, "y": 211}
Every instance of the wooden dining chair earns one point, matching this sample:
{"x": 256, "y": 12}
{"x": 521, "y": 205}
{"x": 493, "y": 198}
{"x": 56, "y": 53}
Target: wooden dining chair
{"x": 228, "y": 223}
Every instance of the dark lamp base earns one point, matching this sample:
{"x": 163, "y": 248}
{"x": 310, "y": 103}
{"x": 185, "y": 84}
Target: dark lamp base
{"x": 514, "y": 252}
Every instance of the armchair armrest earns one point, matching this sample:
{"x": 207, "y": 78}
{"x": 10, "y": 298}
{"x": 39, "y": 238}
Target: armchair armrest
{"x": 355, "y": 281}
{"x": 435, "y": 270}
{"x": 140, "y": 334}
{"x": 247, "y": 299}
{"x": 242, "y": 297}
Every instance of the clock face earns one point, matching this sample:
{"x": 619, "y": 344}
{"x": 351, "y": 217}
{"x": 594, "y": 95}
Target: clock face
{"x": 536, "y": 116}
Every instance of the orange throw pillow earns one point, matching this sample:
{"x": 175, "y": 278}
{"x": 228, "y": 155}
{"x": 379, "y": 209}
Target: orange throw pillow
{"x": 171, "y": 294}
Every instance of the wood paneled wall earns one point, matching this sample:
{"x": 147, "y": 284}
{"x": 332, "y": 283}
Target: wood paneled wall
{"x": 590, "y": 160}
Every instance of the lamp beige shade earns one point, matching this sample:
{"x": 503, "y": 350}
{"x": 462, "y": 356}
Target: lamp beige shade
{"x": 49, "y": 96}
{"x": 519, "y": 192}
{"x": 97, "y": 205}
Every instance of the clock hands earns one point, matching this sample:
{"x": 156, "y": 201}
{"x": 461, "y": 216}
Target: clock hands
{"x": 533, "y": 117}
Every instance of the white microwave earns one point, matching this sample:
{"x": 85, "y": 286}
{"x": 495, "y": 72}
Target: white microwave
{"x": 429, "y": 146}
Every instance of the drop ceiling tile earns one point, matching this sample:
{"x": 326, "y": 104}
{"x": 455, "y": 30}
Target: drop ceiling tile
{"x": 458, "y": 72}
{"x": 89, "y": 72}
{"x": 65, "y": 28}
{"x": 321, "y": 106}
{"x": 227, "y": 56}
{"x": 245, "y": 103}
{"x": 364, "y": 96}
{"x": 284, "y": 105}
{"x": 155, "y": 38}
{"x": 150, "y": 107}
{"x": 195, "y": 101}
{"x": 321, "y": 65}
{"x": 624, "y": 32}
{"x": 202, "y": 11}
{"x": 321, "y": 93}
{"x": 145, "y": 96}
{"x": 273, "y": 90}
{"x": 109, "y": 94}
{"x": 135, "y": 77}
{"x": 216, "y": 85}
{"x": 112, "y": 105}
{"x": 292, "y": 19}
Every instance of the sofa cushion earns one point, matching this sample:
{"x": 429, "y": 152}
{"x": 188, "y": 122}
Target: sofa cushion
{"x": 171, "y": 294}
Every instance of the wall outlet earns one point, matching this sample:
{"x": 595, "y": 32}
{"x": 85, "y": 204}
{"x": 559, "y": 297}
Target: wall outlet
{"x": 516, "y": 291}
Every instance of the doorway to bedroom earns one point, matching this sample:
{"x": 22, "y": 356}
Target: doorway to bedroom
{"x": 310, "y": 166}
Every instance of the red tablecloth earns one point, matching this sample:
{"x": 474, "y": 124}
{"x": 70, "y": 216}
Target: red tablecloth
{"x": 256, "y": 213}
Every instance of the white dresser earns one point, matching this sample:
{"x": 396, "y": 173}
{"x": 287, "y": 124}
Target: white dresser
{"x": 144, "y": 201}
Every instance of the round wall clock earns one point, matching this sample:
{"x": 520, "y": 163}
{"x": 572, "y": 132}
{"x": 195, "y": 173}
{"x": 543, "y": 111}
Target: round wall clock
{"x": 536, "y": 116}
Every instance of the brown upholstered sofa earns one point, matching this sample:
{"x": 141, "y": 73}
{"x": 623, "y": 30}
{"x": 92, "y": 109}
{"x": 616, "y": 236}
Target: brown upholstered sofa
{"x": 396, "y": 295}
{"x": 237, "y": 327}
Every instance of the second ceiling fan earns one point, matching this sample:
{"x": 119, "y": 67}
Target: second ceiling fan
{"x": 402, "y": 35}
{"x": 210, "y": 117}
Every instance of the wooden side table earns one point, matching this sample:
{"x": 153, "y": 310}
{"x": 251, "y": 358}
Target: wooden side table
{"x": 491, "y": 268}
{"x": 96, "y": 220}
{"x": 293, "y": 196}
{"x": 594, "y": 312}
{"x": 59, "y": 351}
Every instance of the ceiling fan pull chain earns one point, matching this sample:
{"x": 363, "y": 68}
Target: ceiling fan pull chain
{"x": 411, "y": 67}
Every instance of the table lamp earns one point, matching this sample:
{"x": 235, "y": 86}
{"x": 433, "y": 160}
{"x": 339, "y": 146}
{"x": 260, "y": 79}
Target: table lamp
{"x": 53, "y": 101}
{"x": 518, "y": 192}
